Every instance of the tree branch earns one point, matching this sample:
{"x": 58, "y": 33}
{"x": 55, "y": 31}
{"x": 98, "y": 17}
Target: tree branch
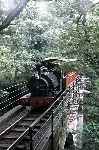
{"x": 14, "y": 13}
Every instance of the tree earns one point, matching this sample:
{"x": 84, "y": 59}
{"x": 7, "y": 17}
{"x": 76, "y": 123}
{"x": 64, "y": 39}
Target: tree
{"x": 33, "y": 35}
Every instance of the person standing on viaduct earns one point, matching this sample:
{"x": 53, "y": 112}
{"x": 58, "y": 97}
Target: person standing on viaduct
{"x": 69, "y": 143}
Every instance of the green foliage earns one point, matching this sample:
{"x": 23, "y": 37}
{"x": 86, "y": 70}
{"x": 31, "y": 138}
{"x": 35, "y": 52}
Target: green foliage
{"x": 6, "y": 64}
{"x": 31, "y": 37}
{"x": 67, "y": 30}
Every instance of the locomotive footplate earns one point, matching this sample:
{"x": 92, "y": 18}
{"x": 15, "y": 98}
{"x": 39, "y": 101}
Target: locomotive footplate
{"x": 36, "y": 102}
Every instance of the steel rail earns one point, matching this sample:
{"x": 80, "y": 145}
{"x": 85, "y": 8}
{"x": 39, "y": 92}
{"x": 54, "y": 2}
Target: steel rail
{"x": 34, "y": 123}
{"x": 19, "y": 139}
{"x": 13, "y": 125}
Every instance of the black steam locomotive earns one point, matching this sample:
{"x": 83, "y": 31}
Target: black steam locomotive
{"x": 44, "y": 86}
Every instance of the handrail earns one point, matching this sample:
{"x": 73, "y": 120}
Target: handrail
{"x": 48, "y": 109}
{"x": 33, "y": 124}
{"x": 61, "y": 97}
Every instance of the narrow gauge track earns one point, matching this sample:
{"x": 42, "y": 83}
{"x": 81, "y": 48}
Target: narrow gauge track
{"x": 12, "y": 134}
{"x": 12, "y": 116}
{"x": 17, "y": 136}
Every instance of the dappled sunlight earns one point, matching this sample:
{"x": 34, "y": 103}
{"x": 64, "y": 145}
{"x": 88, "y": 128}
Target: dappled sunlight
{"x": 95, "y": 1}
{"x": 42, "y": 8}
{"x": 32, "y": 30}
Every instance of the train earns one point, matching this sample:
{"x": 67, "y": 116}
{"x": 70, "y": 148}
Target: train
{"x": 46, "y": 84}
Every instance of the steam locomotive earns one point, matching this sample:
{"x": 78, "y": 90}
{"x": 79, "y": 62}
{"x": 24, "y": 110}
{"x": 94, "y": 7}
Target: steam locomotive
{"x": 46, "y": 84}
